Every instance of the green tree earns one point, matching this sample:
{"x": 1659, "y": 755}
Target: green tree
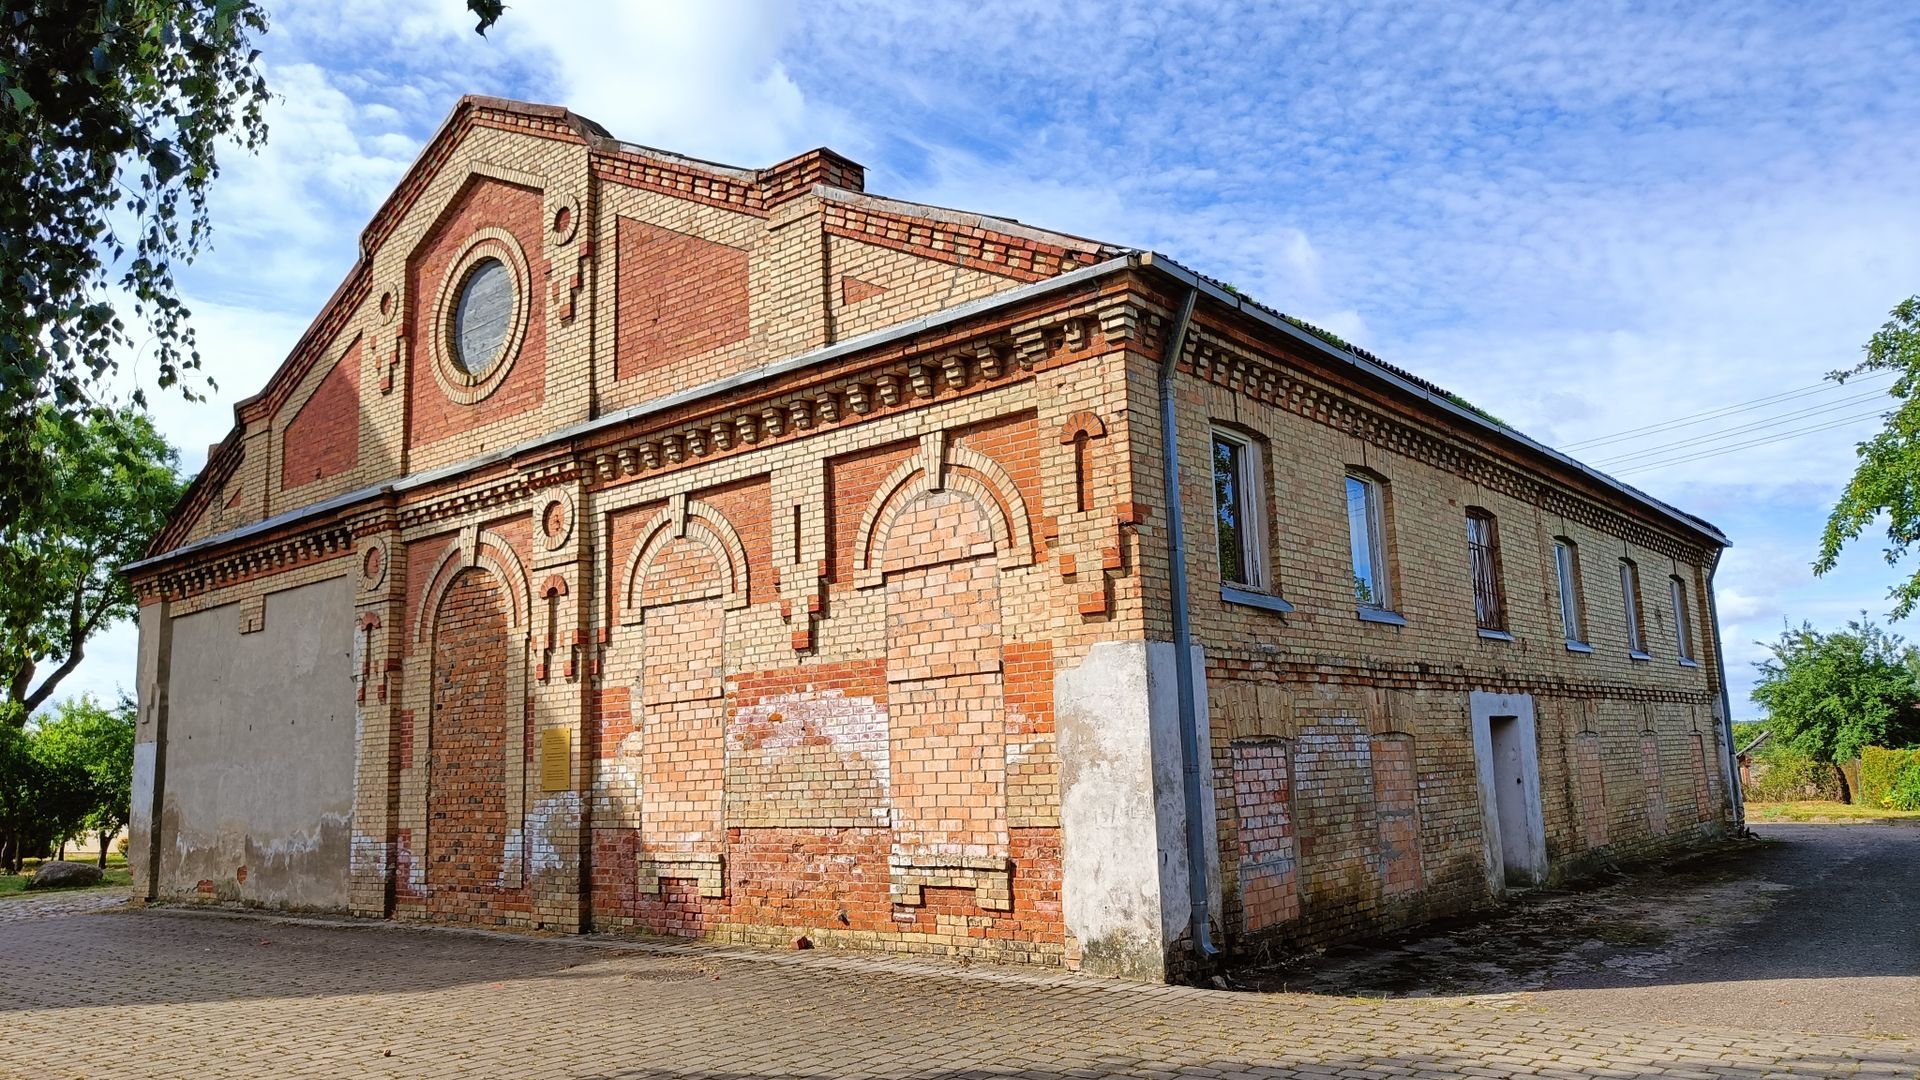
{"x": 1887, "y": 478}
{"x": 1828, "y": 695}
{"x": 83, "y": 736}
{"x": 112, "y": 116}
{"x": 113, "y": 481}
{"x": 43, "y": 798}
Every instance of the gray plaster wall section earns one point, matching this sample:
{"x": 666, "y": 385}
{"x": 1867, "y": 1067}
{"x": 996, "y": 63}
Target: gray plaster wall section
{"x": 147, "y": 686}
{"x": 1169, "y": 788}
{"x": 260, "y": 751}
{"x": 1496, "y": 830}
{"x": 1122, "y": 810}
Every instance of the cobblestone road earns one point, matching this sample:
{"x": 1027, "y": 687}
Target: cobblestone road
{"x": 132, "y": 993}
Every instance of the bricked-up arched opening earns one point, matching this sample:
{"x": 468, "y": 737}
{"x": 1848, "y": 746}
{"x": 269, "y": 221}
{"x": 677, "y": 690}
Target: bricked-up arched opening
{"x": 945, "y": 695}
{"x": 472, "y": 874}
{"x": 681, "y": 722}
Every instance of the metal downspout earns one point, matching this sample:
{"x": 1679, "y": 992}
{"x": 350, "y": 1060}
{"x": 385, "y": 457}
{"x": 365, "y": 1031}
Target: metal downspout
{"x": 1738, "y": 797}
{"x": 1199, "y": 890}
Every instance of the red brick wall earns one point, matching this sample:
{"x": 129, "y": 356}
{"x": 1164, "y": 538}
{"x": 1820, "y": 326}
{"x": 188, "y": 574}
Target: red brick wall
{"x": 1656, "y": 791}
{"x": 851, "y": 483}
{"x": 432, "y": 415}
{"x": 681, "y": 792}
{"x": 1263, "y": 802}
{"x": 323, "y": 438}
{"x": 1396, "y": 789}
{"x": 1592, "y": 787}
{"x": 807, "y": 746}
{"x": 1014, "y": 443}
{"x": 678, "y": 296}
{"x": 467, "y": 820}
{"x": 747, "y": 506}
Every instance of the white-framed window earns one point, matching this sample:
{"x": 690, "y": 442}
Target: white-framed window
{"x": 1566, "y": 565}
{"x": 1630, "y": 596}
{"x": 1240, "y": 511}
{"x": 1682, "y": 625}
{"x": 1483, "y": 558}
{"x": 1367, "y": 535}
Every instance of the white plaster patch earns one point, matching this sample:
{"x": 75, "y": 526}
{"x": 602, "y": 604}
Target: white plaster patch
{"x": 845, "y": 725}
{"x": 141, "y": 816}
{"x": 367, "y": 855}
{"x": 416, "y": 870}
{"x": 560, "y": 811}
{"x": 512, "y": 856}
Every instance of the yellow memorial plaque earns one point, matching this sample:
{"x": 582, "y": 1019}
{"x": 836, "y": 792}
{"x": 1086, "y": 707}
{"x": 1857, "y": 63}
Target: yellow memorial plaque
{"x": 556, "y": 759}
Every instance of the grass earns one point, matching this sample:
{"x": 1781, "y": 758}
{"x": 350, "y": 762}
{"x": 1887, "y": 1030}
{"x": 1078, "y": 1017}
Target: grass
{"x": 117, "y": 877}
{"x": 1822, "y": 812}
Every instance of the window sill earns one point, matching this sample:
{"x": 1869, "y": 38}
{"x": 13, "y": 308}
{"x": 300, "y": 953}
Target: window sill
{"x": 1233, "y": 594}
{"x": 1496, "y": 635}
{"x": 1579, "y": 647}
{"x": 1381, "y": 615}
{"x": 1684, "y": 662}
{"x": 1632, "y": 655}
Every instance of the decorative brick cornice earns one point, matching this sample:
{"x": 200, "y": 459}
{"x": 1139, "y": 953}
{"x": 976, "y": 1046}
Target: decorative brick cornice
{"x": 671, "y": 178}
{"x": 970, "y": 246}
{"x": 327, "y": 541}
{"x": 937, "y": 373}
{"x": 506, "y": 492}
{"x": 755, "y": 192}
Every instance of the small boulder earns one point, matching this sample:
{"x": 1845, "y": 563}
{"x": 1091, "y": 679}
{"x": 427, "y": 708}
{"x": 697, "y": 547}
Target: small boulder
{"x": 64, "y": 875}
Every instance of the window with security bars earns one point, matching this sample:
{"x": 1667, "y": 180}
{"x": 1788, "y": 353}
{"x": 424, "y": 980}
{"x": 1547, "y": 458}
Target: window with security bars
{"x": 1483, "y": 555}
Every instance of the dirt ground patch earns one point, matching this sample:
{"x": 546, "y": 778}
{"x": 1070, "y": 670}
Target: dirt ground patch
{"x": 1803, "y": 928}
{"x": 1633, "y": 921}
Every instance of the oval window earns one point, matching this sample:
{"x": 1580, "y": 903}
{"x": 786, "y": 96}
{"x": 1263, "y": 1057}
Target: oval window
{"x": 482, "y": 317}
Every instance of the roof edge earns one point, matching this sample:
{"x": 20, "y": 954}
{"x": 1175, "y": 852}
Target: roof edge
{"x": 1432, "y": 395}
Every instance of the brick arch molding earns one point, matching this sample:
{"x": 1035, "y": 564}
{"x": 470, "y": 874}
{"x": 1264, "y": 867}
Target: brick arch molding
{"x": 489, "y": 552}
{"x": 701, "y": 524}
{"x": 967, "y": 472}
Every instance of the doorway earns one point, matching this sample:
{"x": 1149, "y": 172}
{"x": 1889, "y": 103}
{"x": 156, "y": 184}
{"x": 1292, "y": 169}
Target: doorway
{"x": 1507, "y": 753}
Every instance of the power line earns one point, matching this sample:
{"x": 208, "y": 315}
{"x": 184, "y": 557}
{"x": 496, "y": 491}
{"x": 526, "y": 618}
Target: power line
{"x": 1782, "y": 436}
{"x": 1713, "y": 414}
{"x": 1741, "y": 429}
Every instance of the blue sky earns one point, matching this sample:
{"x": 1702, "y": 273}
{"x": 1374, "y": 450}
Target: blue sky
{"x": 1584, "y": 217}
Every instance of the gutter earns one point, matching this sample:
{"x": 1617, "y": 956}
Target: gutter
{"x": 1738, "y": 799}
{"x": 1199, "y": 884}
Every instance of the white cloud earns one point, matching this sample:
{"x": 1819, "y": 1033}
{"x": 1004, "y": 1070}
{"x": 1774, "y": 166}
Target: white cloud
{"x": 1583, "y": 218}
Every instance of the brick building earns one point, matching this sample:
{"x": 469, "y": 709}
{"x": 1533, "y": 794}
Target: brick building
{"x": 634, "y": 542}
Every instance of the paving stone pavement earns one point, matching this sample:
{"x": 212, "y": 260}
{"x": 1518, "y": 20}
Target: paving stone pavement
{"x": 162, "y": 993}
{"x": 60, "y": 903}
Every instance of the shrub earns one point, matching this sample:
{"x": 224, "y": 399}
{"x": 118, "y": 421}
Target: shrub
{"x": 1789, "y": 777}
{"x": 1890, "y": 779}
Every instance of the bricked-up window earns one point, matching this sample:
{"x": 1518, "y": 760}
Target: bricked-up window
{"x": 482, "y": 316}
{"x": 1630, "y": 596}
{"x": 1366, "y": 531}
{"x": 1239, "y": 510}
{"x": 1566, "y": 565}
{"x": 1483, "y": 555}
{"x": 1682, "y": 626}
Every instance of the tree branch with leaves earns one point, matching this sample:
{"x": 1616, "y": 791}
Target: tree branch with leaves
{"x": 112, "y": 482}
{"x": 1887, "y": 478}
